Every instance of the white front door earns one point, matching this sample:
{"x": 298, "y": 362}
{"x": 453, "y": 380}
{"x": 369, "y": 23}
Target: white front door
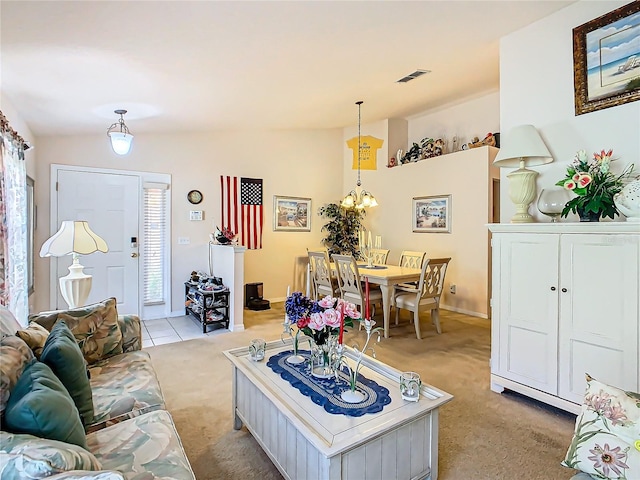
{"x": 110, "y": 202}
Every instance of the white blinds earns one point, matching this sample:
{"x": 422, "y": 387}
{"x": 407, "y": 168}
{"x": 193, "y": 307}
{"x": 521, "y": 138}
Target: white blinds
{"x": 153, "y": 249}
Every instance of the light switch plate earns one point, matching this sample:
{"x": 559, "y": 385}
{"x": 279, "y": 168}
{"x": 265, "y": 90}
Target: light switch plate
{"x": 184, "y": 240}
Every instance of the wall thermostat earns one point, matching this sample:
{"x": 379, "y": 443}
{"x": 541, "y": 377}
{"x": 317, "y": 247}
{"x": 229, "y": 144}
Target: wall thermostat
{"x": 196, "y": 215}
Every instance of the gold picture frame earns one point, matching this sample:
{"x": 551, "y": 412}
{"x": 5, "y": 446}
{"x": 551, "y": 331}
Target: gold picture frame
{"x": 606, "y": 60}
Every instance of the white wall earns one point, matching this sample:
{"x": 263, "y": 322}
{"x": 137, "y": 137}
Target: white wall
{"x": 536, "y": 87}
{"x": 464, "y": 175}
{"x": 293, "y": 163}
{"x": 471, "y": 117}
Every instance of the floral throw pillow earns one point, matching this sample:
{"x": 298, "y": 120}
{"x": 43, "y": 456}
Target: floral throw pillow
{"x": 606, "y": 440}
{"x": 15, "y": 356}
{"x": 94, "y": 326}
{"x": 35, "y": 335}
{"x": 98, "y": 336}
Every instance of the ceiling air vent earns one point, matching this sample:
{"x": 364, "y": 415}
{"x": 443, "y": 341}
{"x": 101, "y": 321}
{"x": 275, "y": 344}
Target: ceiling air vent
{"x": 412, "y": 76}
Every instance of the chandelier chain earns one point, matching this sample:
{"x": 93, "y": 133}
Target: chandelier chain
{"x": 359, "y": 103}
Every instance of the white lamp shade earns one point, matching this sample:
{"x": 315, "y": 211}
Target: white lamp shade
{"x": 73, "y": 237}
{"x": 523, "y": 144}
{"x": 121, "y": 142}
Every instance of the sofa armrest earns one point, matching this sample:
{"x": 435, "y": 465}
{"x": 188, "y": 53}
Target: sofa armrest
{"x": 131, "y": 332}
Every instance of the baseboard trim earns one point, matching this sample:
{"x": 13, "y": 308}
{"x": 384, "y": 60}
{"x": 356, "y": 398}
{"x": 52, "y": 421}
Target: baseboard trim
{"x": 462, "y": 310}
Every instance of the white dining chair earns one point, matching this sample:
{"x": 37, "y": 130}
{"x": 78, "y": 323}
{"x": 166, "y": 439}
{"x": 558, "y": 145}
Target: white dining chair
{"x": 411, "y": 259}
{"x": 351, "y": 286}
{"x": 425, "y": 295}
{"x": 379, "y": 256}
{"x": 324, "y": 283}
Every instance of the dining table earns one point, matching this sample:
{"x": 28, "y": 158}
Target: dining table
{"x": 387, "y": 276}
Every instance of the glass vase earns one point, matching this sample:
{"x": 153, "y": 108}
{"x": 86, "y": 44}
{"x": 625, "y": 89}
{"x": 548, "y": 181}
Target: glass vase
{"x": 324, "y": 358}
{"x": 551, "y": 202}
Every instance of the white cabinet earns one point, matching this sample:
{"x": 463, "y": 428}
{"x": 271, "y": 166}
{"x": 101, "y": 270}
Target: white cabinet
{"x": 565, "y": 303}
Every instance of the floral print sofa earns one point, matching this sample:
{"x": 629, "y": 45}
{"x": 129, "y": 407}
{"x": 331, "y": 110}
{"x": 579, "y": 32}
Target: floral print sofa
{"x": 130, "y": 435}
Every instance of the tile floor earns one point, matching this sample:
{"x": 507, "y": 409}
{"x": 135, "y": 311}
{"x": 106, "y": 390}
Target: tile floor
{"x": 174, "y": 329}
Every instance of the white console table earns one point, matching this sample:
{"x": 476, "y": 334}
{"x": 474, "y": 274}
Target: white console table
{"x": 305, "y": 442}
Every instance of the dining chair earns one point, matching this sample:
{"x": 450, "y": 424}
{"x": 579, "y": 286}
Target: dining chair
{"x": 379, "y": 256}
{"x": 411, "y": 259}
{"x": 426, "y": 295}
{"x": 350, "y": 285}
{"x": 324, "y": 283}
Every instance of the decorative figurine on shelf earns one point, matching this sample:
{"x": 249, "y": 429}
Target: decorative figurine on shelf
{"x": 489, "y": 139}
{"x": 225, "y": 236}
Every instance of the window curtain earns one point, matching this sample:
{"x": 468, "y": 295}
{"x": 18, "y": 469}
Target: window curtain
{"x": 13, "y": 222}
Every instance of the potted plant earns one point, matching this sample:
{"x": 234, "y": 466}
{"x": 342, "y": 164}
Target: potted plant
{"x": 342, "y": 229}
{"x": 594, "y": 185}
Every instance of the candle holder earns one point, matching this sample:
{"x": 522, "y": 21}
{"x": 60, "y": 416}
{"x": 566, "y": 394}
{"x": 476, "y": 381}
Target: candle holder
{"x": 353, "y": 395}
{"x": 296, "y": 358}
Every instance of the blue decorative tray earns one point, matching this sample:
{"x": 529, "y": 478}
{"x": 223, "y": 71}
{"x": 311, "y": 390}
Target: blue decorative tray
{"x": 326, "y": 391}
{"x": 373, "y": 267}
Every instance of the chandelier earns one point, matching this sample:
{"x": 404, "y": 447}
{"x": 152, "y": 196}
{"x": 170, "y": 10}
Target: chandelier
{"x": 359, "y": 198}
{"x": 120, "y": 135}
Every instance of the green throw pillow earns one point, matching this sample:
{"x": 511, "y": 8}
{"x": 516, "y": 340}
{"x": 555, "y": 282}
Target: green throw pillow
{"x": 62, "y": 353}
{"x": 40, "y": 405}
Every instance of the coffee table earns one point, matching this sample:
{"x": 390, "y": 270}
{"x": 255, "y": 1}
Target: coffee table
{"x": 305, "y": 442}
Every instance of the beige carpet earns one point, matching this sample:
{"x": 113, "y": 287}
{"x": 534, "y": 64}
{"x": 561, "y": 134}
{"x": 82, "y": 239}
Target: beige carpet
{"x": 483, "y": 435}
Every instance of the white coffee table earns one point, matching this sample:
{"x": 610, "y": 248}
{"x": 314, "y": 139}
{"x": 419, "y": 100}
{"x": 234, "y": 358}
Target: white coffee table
{"x": 306, "y": 442}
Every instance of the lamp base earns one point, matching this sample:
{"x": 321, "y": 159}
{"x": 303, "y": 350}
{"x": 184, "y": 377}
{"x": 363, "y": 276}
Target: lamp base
{"x": 522, "y": 191}
{"x": 522, "y": 214}
{"x": 76, "y": 286}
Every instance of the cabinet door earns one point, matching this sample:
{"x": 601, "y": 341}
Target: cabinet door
{"x": 598, "y": 312}
{"x": 528, "y": 310}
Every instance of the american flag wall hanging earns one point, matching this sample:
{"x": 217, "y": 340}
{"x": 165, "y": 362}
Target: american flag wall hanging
{"x": 242, "y": 209}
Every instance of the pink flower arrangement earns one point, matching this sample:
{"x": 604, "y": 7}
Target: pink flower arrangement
{"x": 593, "y": 183}
{"x": 320, "y": 319}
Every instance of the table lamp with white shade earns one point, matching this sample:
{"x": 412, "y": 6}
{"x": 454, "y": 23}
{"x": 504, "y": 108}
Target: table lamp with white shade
{"x": 522, "y": 147}
{"x": 74, "y": 238}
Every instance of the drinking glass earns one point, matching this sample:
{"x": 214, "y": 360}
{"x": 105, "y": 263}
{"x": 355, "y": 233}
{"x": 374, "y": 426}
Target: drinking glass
{"x": 552, "y": 200}
{"x": 256, "y": 349}
{"x": 410, "y": 386}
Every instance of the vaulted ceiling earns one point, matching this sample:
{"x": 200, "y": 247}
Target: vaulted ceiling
{"x": 207, "y": 65}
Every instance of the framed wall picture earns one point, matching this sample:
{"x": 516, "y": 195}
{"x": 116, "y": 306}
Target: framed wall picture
{"x": 432, "y": 214}
{"x": 291, "y": 214}
{"x": 606, "y": 60}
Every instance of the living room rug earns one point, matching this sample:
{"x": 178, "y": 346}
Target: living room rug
{"x": 483, "y": 435}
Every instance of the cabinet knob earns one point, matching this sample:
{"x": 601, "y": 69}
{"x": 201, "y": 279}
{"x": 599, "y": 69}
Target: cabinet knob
{"x": 553, "y": 289}
{"x": 564, "y": 290}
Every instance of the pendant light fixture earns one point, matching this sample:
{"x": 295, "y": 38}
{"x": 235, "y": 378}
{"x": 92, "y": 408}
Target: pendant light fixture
{"x": 359, "y": 198}
{"x": 120, "y": 135}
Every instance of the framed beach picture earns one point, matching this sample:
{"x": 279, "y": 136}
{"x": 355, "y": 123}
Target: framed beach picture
{"x": 606, "y": 60}
{"x": 432, "y": 214}
{"x": 291, "y": 214}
